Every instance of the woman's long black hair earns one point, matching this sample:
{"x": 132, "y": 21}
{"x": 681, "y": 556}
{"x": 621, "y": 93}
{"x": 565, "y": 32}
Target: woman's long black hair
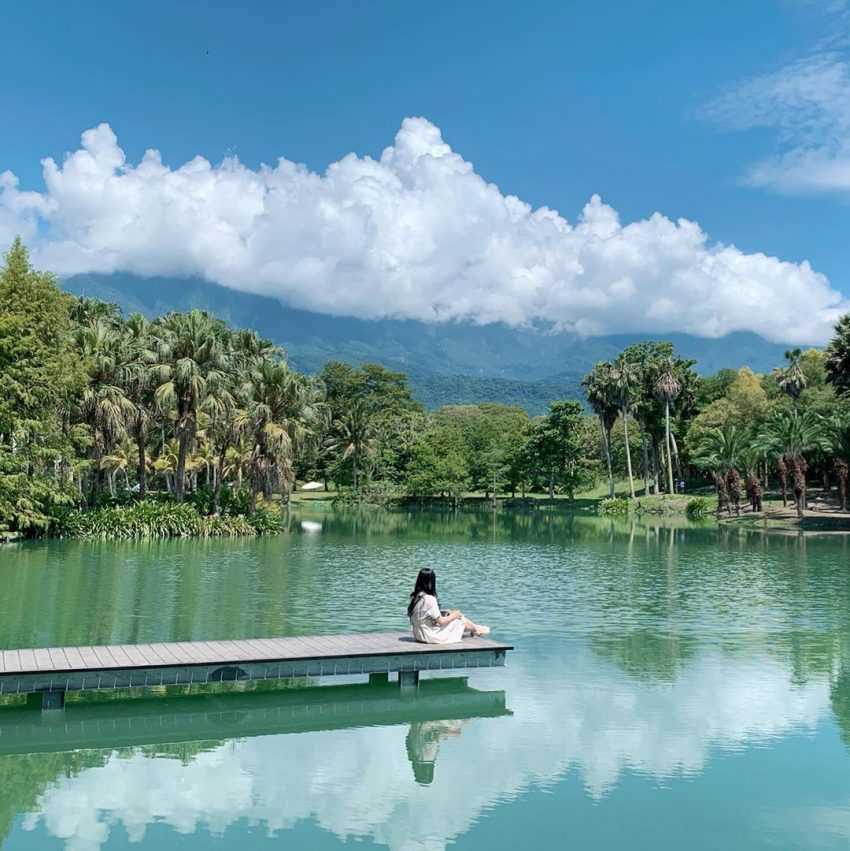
{"x": 426, "y": 583}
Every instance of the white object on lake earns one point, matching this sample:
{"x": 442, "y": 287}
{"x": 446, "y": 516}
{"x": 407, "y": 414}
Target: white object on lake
{"x": 312, "y": 486}
{"x": 310, "y": 526}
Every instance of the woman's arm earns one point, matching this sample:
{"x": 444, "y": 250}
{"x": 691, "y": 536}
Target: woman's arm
{"x": 453, "y": 615}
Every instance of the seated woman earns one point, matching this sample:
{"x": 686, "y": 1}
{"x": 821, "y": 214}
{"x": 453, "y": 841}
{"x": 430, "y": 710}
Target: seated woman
{"x": 430, "y": 625}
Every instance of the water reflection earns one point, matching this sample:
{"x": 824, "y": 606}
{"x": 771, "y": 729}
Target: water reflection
{"x": 648, "y": 657}
{"x": 203, "y": 760}
{"x": 423, "y": 745}
{"x": 364, "y": 766}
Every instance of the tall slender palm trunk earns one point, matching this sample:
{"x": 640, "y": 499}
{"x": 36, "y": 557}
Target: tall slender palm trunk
{"x": 668, "y": 447}
{"x": 217, "y": 479}
{"x": 628, "y": 453}
{"x": 606, "y": 445}
{"x": 842, "y": 470}
{"x": 180, "y": 473}
{"x": 644, "y": 444}
{"x": 143, "y": 463}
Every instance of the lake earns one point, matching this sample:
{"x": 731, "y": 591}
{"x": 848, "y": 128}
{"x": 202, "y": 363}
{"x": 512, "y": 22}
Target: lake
{"x": 672, "y": 687}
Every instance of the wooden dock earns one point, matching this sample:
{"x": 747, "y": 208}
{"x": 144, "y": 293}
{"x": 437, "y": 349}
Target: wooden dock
{"x": 52, "y": 671}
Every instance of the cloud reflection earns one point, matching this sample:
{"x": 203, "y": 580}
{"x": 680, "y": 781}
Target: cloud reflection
{"x": 358, "y": 783}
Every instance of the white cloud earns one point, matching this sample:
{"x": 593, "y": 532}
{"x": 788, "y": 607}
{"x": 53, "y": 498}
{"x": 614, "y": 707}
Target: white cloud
{"x": 807, "y": 104}
{"x": 416, "y": 234}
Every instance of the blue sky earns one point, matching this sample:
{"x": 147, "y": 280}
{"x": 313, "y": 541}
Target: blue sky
{"x": 645, "y": 104}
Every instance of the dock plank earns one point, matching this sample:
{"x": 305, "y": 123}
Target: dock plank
{"x": 74, "y": 658}
{"x": 11, "y": 661}
{"x": 58, "y": 659}
{"x": 42, "y": 659}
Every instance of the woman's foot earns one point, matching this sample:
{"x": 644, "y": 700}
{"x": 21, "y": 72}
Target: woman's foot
{"x": 480, "y": 631}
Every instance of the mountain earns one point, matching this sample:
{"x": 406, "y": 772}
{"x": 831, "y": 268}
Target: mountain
{"x": 447, "y": 363}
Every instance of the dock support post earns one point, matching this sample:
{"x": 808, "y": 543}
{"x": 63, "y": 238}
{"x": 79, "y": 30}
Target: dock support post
{"x": 378, "y": 679}
{"x": 408, "y": 680}
{"x": 52, "y": 699}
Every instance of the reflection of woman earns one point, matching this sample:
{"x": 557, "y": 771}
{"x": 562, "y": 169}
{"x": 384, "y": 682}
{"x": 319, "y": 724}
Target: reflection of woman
{"x": 429, "y": 624}
{"x": 423, "y": 745}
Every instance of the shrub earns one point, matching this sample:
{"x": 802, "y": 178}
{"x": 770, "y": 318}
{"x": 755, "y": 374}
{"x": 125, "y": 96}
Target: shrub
{"x": 157, "y": 519}
{"x": 614, "y": 505}
{"x": 264, "y": 521}
{"x": 697, "y": 508}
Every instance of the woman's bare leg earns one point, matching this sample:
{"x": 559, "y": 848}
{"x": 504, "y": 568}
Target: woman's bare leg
{"x": 474, "y": 628}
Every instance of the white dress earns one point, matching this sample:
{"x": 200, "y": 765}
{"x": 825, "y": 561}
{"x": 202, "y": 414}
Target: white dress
{"x": 423, "y": 620}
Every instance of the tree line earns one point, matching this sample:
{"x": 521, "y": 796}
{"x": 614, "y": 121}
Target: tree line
{"x": 98, "y": 408}
{"x": 738, "y": 428}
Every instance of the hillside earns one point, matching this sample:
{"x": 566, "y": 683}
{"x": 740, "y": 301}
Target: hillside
{"x": 449, "y": 363}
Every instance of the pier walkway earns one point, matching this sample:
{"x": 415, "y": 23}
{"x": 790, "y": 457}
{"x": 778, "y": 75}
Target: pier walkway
{"x": 51, "y": 672}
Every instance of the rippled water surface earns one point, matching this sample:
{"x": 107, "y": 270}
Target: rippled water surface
{"x": 670, "y": 688}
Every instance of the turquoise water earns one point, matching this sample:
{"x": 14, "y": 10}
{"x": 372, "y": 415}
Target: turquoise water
{"x": 670, "y": 688}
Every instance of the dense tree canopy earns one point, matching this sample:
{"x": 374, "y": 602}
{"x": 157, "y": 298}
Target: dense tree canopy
{"x": 100, "y": 408}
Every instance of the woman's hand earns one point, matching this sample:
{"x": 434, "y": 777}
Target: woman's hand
{"x": 453, "y": 615}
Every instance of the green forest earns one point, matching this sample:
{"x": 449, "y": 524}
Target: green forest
{"x": 121, "y": 426}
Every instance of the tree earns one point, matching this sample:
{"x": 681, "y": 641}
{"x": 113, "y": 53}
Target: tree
{"x": 599, "y": 387}
{"x": 557, "y": 443}
{"x": 39, "y": 375}
{"x": 719, "y": 451}
{"x": 102, "y": 405}
{"x": 653, "y": 359}
{"x": 285, "y": 413}
{"x": 710, "y": 388}
{"x": 438, "y": 466}
{"x": 488, "y": 431}
{"x": 625, "y": 377}
{"x": 354, "y": 438}
{"x": 838, "y": 434}
{"x": 748, "y": 398}
{"x": 192, "y": 361}
{"x": 138, "y": 377}
{"x": 791, "y": 380}
{"x": 838, "y": 356}
{"x": 667, "y": 388}
{"x": 789, "y": 435}
{"x": 370, "y": 397}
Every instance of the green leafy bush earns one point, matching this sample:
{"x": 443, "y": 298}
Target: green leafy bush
{"x": 156, "y": 519}
{"x": 614, "y": 505}
{"x": 697, "y": 508}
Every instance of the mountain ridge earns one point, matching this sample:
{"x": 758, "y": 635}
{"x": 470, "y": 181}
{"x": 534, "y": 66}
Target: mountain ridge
{"x": 458, "y": 363}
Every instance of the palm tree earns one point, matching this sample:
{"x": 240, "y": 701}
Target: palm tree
{"x": 792, "y": 379}
{"x": 719, "y": 451}
{"x": 116, "y": 462}
{"x": 193, "y": 365}
{"x": 102, "y": 404}
{"x": 789, "y": 435}
{"x": 838, "y": 356}
{"x": 599, "y": 388}
{"x": 625, "y": 377}
{"x": 166, "y": 463}
{"x": 667, "y": 389}
{"x": 838, "y": 434}
{"x": 354, "y": 437}
{"x": 751, "y": 456}
{"x": 139, "y": 376}
{"x": 273, "y": 426}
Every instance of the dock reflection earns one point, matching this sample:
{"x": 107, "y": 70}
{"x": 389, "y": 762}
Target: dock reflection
{"x": 207, "y": 718}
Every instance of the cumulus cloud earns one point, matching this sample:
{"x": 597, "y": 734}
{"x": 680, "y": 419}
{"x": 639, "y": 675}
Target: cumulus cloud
{"x": 415, "y": 234}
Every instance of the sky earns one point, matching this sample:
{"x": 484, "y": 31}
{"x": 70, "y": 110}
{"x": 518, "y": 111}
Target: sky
{"x": 598, "y": 167}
